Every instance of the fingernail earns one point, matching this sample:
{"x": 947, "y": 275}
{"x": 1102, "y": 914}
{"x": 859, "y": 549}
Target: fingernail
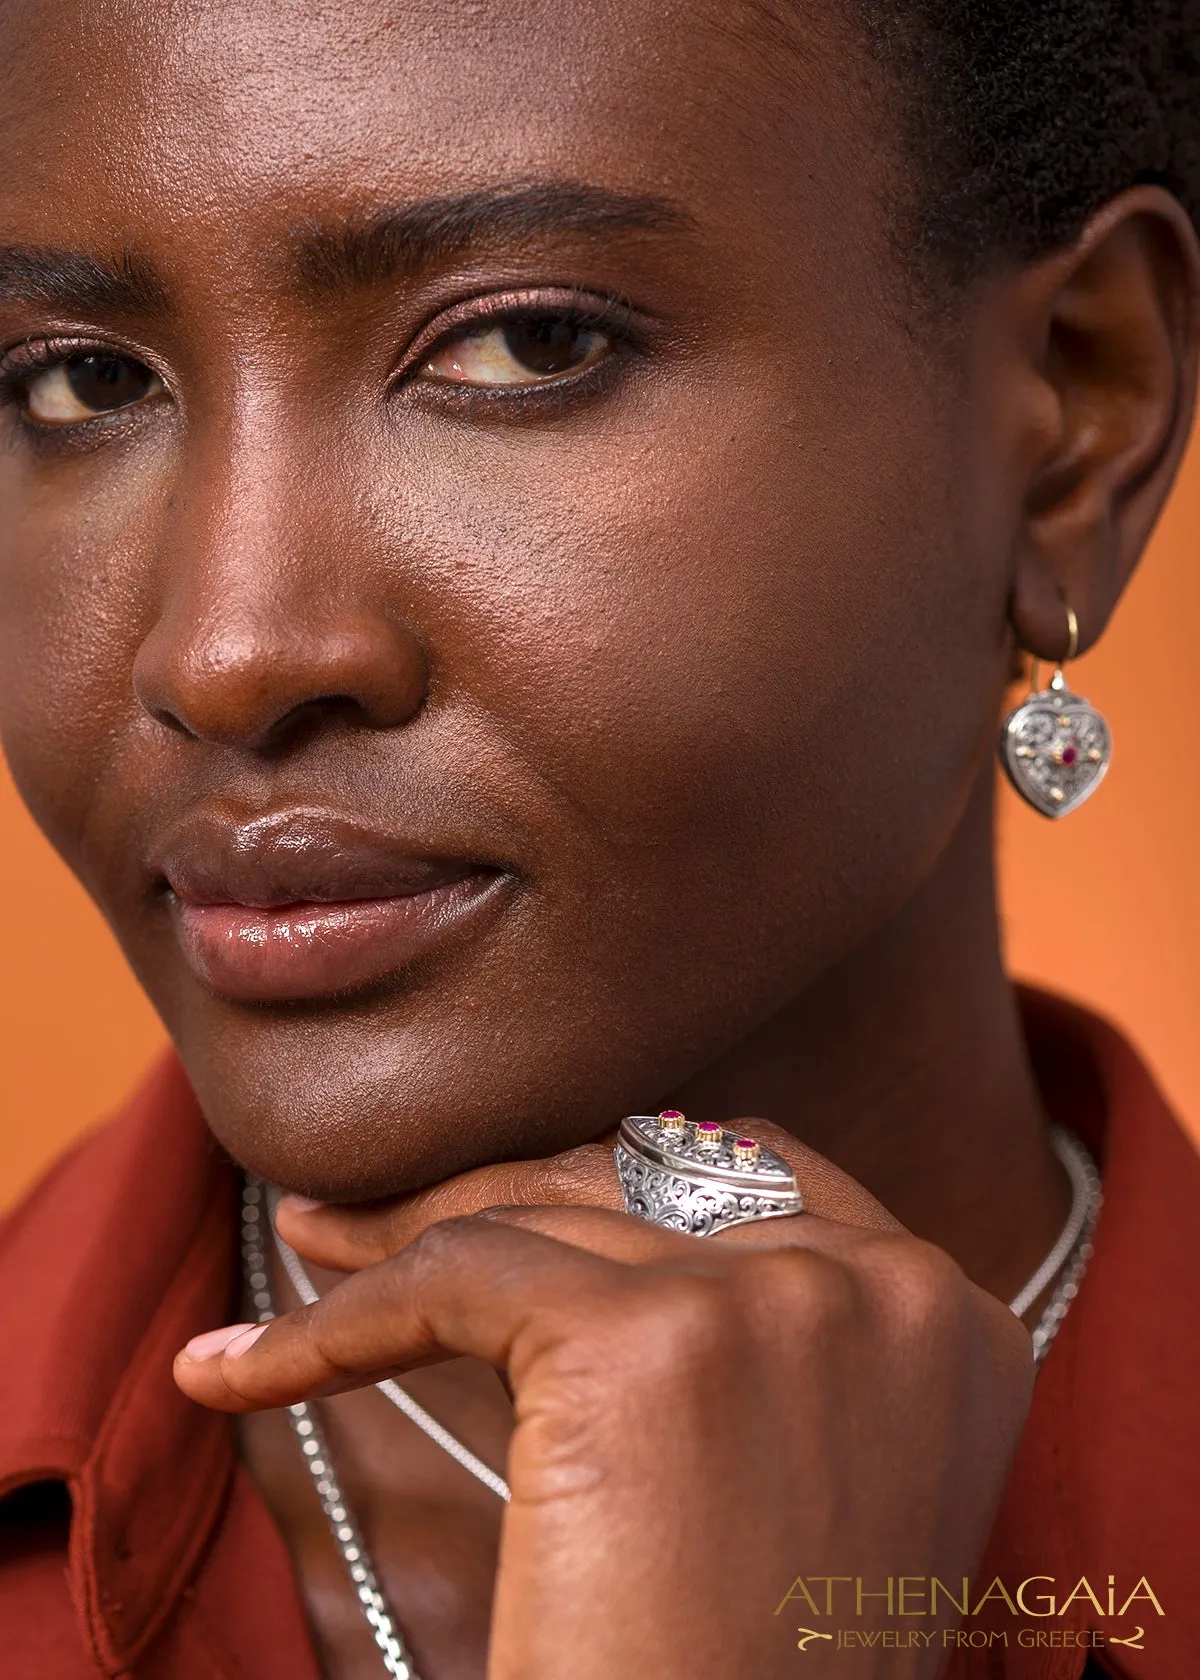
{"x": 299, "y": 1204}
{"x": 213, "y": 1342}
{"x": 237, "y": 1347}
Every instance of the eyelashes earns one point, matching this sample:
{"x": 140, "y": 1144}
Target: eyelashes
{"x": 66, "y": 390}
{"x": 507, "y": 351}
{"x": 513, "y": 348}
{"x": 67, "y": 393}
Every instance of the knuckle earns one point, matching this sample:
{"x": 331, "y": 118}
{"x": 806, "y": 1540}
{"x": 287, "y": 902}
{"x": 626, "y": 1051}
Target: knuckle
{"x": 921, "y": 1297}
{"x": 927, "y": 1273}
{"x": 815, "y": 1292}
{"x": 912, "y": 1289}
{"x": 506, "y": 1213}
{"x": 573, "y": 1177}
{"x": 323, "y": 1332}
{"x": 675, "y": 1323}
{"x": 432, "y": 1248}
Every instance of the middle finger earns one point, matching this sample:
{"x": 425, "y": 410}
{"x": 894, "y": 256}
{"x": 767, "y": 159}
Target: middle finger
{"x": 347, "y": 1239}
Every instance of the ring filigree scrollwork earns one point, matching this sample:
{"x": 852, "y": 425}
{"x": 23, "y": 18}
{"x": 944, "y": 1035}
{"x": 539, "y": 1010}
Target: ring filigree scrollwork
{"x": 700, "y": 1180}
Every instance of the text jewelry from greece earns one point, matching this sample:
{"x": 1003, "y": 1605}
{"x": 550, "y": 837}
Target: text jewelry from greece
{"x": 1056, "y": 747}
{"x": 769, "y": 1192}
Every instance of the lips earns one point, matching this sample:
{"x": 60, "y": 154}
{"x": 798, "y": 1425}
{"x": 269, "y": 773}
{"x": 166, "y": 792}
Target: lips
{"x": 304, "y": 904}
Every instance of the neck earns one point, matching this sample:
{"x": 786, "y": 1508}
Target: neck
{"x": 906, "y": 1066}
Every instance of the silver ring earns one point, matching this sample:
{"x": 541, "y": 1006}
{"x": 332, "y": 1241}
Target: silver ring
{"x": 699, "y": 1178}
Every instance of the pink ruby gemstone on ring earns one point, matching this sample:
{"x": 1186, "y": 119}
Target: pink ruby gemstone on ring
{"x": 670, "y": 1114}
{"x": 708, "y": 1129}
{"x": 1069, "y": 755}
{"x": 746, "y": 1143}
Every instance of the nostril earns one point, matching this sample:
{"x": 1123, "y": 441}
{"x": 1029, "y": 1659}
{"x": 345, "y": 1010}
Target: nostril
{"x": 286, "y": 732}
{"x": 269, "y": 683}
{"x": 160, "y": 714}
{"x": 304, "y": 721}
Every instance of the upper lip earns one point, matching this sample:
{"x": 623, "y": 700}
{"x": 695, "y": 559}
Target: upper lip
{"x": 299, "y": 856}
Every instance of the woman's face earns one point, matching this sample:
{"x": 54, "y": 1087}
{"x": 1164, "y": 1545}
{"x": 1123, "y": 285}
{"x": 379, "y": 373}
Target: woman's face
{"x": 538, "y": 535}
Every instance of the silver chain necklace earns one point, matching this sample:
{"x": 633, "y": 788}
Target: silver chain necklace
{"x": 1067, "y": 1261}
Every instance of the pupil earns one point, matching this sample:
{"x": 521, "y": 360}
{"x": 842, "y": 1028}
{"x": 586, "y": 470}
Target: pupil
{"x": 547, "y": 344}
{"x": 105, "y": 382}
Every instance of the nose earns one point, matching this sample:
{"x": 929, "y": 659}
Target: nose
{"x": 260, "y": 628}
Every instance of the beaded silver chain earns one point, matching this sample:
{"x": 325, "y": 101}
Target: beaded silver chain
{"x": 1071, "y": 1253}
{"x": 397, "y": 1658}
{"x": 399, "y": 1397}
{"x": 1067, "y": 1260}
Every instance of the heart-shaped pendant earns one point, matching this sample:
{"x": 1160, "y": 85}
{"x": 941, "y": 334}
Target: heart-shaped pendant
{"x": 1055, "y": 749}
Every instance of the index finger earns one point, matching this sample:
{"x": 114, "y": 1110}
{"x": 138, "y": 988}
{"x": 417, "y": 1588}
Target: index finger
{"x": 469, "y": 1287}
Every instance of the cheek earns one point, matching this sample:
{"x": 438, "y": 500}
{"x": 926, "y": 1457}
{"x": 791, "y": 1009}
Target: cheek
{"x": 710, "y": 639}
{"x": 722, "y": 643}
{"x": 73, "y": 575}
{"x": 734, "y": 684}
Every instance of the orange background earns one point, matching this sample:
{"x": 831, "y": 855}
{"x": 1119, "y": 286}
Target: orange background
{"x": 1104, "y": 906}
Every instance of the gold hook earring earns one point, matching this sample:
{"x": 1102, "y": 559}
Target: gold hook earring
{"x": 1056, "y": 747}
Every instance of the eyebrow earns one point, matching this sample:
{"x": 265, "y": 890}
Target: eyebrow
{"x": 126, "y": 284}
{"x": 360, "y": 251}
{"x": 372, "y": 250}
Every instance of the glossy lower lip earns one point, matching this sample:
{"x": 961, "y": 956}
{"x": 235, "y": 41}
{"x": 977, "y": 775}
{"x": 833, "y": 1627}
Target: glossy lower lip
{"x": 292, "y": 952}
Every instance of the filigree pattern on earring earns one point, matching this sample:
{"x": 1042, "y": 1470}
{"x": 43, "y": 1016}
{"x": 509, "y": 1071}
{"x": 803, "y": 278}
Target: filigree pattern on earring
{"x": 1056, "y": 747}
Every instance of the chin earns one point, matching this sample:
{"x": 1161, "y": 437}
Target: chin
{"x": 371, "y": 1115}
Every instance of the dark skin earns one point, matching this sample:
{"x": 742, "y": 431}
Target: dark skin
{"x": 696, "y": 649}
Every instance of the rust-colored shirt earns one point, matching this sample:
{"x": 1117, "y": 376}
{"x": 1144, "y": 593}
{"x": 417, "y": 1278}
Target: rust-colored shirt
{"x": 133, "y": 1543}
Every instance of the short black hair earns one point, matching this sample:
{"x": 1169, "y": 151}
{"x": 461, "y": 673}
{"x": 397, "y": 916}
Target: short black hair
{"x": 1022, "y": 118}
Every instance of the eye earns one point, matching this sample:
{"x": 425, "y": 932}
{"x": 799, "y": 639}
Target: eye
{"x": 528, "y": 351}
{"x": 83, "y": 386}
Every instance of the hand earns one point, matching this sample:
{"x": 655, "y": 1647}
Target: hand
{"x": 698, "y": 1420}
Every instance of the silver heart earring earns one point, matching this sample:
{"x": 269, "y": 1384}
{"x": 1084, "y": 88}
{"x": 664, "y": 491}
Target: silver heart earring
{"x": 1055, "y": 747}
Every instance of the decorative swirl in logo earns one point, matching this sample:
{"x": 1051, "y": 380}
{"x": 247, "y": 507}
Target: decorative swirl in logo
{"x": 807, "y": 1635}
{"x": 1134, "y": 1641}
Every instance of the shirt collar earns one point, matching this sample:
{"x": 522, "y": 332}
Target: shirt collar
{"x": 128, "y": 1248}
{"x": 120, "y": 1255}
{"x": 1106, "y": 1481}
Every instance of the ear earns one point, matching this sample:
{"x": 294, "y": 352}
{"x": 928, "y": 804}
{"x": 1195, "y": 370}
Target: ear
{"x": 1110, "y": 332}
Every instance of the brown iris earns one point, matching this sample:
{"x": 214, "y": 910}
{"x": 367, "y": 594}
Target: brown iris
{"x": 548, "y": 344}
{"x": 102, "y": 382}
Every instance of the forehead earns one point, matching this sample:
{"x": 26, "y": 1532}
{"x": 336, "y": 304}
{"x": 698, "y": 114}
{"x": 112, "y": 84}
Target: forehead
{"x": 146, "y": 121}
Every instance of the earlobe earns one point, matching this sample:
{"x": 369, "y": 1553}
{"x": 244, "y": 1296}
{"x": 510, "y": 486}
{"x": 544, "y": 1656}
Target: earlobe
{"x": 1116, "y": 324}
